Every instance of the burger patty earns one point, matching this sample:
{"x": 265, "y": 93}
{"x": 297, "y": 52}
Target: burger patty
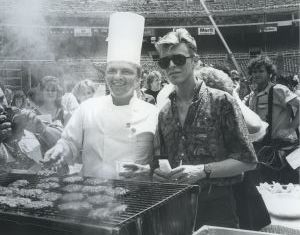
{"x": 100, "y": 200}
{"x": 4, "y": 191}
{"x": 71, "y": 188}
{"x": 93, "y": 189}
{"x": 74, "y": 206}
{"x": 49, "y": 185}
{"x": 73, "y": 179}
{"x": 115, "y": 192}
{"x": 19, "y": 184}
{"x": 49, "y": 179}
{"x": 68, "y": 197}
{"x": 14, "y": 201}
{"x": 38, "y": 204}
{"x": 50, "y": 196}
{"x": 31, "y": 193}
{"x": 96, "y": 181}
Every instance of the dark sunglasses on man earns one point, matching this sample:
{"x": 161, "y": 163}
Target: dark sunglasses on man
{"x": 178, "y": 60}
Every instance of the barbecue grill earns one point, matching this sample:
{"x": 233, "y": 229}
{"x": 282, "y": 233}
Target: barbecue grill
{"x": 152, "y": 209}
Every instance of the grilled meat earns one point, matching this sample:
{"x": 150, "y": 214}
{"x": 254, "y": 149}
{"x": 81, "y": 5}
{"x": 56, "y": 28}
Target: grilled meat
{"x": 68, "y": 197}
{"x": 105, "y": 213}
{"x": 73, "y": 179}
{"x": 38, "y": 204}
{"x": 74, "y": 206}
{"x": 14, "y": 201}
{"x": 31, "y": 193}
{"x": 95, "y": 181}
{"x": 50, "y": 179}
{"x": 46, "y": 172}
{"x": 100, "y": 200}
{"x": 93, "y": 189}
{"x": 49, "y": 185}
{"x": 71, "y": 188}
{"x": 19, "y": 184}
{"x": 5, "y": 191}
{"x": 51, "y": 196}
{"x": 115, "y": 192}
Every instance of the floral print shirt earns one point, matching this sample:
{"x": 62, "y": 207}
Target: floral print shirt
{"x": 214, "y": 130}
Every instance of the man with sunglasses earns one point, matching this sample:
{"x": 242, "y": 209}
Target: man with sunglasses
{"x": 202, "y": 133}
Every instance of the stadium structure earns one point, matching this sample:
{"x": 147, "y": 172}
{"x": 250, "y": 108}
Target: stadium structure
{"x": 67, "y": 38}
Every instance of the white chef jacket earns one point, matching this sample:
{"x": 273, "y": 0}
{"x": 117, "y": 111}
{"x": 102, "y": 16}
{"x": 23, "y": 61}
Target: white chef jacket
{"x": 107, "y": 134}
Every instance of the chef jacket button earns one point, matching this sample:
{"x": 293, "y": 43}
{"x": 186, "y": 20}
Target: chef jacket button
{"x": 133, "y": 130}
{"x": 128, "y": 125}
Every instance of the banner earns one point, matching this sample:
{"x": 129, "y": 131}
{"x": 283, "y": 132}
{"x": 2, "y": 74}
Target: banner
{"x": 206, "y": 31}
{"x": 82, "y": 32}
{"x": 268, "y": 29}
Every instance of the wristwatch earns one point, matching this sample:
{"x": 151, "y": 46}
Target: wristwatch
{"x": 207, "y": 170}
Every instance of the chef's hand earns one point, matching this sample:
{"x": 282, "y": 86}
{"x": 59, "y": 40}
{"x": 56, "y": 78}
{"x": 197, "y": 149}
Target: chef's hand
{"x": 135, "y": 171}
{"x": 161, "y": 176}
{"x": 34, "y": 123}
{"x": 187, "y": 174}
{"x": 54, "y": 159}
{"x": 5, "y": 128}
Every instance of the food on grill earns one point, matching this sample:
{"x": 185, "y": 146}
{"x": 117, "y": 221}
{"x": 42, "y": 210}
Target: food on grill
{"x": 93, "y": 189}
{"x": 19, "y": 184}
{"x": 71, "y": 188}
{"x": 73, "y": 179}
{"x": 31, "y": 193}
{"x": 95, "y": 181}
{"x": 120, "y": 191}
{"x": 38, "y": 204}
{"x": 46, "y": 172}
{"x": 105, "y": 213}
{"x": 50, "y": 179}
{"x": 75, "y": 206}
{"x": 5, "y": 191}
{"x": 49, "y": 185}
{"x": 68, "y": 197}
{"x": 115, "y": 192}
{"x": 14, "y": 201}
{"x": 100, "y": 200}
{"x": 50, "y": 196}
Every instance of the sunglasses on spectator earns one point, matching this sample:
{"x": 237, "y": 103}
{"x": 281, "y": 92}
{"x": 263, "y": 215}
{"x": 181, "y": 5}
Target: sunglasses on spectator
{"x": 178, "y": 60}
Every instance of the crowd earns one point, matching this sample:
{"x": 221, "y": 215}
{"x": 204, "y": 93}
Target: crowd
{"x": 212, "y": 134}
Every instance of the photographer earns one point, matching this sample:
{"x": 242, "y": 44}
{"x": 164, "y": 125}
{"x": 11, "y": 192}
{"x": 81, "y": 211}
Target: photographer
{"x": 15, "y": 126}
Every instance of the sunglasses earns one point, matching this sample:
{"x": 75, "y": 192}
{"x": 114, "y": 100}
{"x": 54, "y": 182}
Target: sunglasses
{"x": 178, "y": 60}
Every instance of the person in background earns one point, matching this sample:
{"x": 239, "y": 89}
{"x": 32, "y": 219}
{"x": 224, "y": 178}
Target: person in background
{"x": 278, "y": 106}
{"x": 19, "y": 99}
{"x": 51, "y": 92}
{"x": 9, "y": 95}
{"x": 3, "y": 101}
{"x": 116, "y": 128}
{"x": 153, "y": 83}
{"x": 84, "y": 90}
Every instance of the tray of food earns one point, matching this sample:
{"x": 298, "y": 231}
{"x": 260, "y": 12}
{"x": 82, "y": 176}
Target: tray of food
{"x": 281, "y": 200}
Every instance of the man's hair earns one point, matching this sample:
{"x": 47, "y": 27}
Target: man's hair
{"x": 150, "y": 78}
{"x": 259, "y": 61}
{"x": 175, "y": 38}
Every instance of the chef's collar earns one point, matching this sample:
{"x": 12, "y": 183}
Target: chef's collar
{"x": 133, "y": 99}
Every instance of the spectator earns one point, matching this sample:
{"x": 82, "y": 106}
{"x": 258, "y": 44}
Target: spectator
{"x": 278, "y": 106}
{"x": 153, "y": 84}
{"x": 19, "y": 100}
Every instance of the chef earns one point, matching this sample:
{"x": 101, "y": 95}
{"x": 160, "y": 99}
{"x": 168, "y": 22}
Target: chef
{"x": 118, "y": 128}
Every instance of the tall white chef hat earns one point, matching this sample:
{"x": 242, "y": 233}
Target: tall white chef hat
{"x": 125, "y": 37}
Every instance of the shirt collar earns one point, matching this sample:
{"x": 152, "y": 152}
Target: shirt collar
{"x": 198, "y": 91}
{"x": 266, "y": 90}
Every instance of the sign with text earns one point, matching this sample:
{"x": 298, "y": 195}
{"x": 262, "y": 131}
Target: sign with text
{"x": 268, "y": 29}
{"x": 206, "y": 31}
{"x": 82, "y": 32}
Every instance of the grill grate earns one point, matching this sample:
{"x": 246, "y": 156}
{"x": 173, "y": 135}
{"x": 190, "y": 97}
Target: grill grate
{"x": 142, "y": 197}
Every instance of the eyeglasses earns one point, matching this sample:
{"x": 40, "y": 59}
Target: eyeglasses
{"x": 178, "y": 60}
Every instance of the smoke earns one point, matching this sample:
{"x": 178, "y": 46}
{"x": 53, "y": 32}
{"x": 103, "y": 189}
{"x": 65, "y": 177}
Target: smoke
{"x": 26, "y": 30}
